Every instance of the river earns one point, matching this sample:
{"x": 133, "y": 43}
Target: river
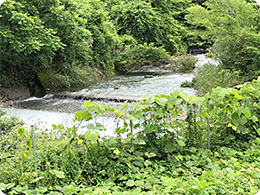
{"x": 61, "y": 107}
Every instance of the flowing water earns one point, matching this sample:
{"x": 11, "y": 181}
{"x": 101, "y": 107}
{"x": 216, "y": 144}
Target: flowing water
{"x": 60, "y": 107}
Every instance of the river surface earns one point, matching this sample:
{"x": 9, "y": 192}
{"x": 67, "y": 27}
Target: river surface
{"x": 61, "y": 107}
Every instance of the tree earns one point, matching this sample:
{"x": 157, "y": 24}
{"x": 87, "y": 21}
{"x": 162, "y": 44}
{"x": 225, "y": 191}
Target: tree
{"x": 26, "y": 45}
{"x": 59, "y": 42}
{"x": 147, "y": 25}
{"x": 234, "y": 25}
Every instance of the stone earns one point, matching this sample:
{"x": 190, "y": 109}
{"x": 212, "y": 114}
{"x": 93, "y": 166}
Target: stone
{"x": 148, "y": 76}
{"x": 15, "y": 93}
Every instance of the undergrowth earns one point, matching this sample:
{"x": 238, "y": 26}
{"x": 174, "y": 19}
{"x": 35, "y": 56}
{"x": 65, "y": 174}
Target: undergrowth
{"x": 211, "y": 76}
{"x": 182, "y": 145}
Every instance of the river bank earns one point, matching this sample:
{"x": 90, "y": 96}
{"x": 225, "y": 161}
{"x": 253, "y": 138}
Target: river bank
{"x": 61, "y": 107}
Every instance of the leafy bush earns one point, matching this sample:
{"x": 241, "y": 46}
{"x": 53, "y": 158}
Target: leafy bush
{"x": 55, "y": 35}
{"x": 34, "y": 51}
{"x": 189, "y": 84}
{"x": 197, "y": 172}
{"x": 211, "y": 76}
{"x": 64, "y": 166}
{"x": 241, "y": 53}
{"x": 147, "y": 24}
{"x": 78, "y": 75}
{"x": 234, "y": 26}
{"x": 135, "y": 57}
{"x": 7, "y": 123}
{"x": 184, "y": 62}
{"x": 168, "y": 154}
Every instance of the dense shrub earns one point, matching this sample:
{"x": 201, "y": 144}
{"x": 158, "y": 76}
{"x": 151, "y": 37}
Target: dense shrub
{"x": 135, "y": 57}
{"x": 241, "y": 53}
{"x": 79, "y": 75}
{"x": 235, "y": 27}
{"x": 184, "y": 62}
{"x": 211, "y": 76}
{"x": 62, "y": 36}
{"x": 7, "y": 123}
{"x": 146, "y": 24}
{"x": 167, "y": 155}
{"x": 73, "y": 38}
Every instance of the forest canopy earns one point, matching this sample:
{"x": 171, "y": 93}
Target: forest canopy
{"x": 58, "y": 43}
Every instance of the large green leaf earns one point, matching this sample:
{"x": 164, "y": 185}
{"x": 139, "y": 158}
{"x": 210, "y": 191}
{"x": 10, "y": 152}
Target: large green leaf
{"x": 59, "y": 174}
{"x": 235, "y": 118}
{"x": 130, "y": 117}
{"x": 130, "y": 183}
{"x": 3, "y": 186}
{"x": 93, "y": 137}
{"x": 180, "y": 142}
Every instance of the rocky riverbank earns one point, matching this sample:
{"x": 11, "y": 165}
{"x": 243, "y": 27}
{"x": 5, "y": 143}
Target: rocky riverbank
{"x": 15, "y": 93}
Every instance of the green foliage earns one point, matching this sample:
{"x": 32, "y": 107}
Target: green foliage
{"x": 133, "y": 172}
{"x": 242, "y": 53}
{"x": 89, "y": 36}
{"x": 166, "y": 156}
{"x": 7, "y": 123}
{"x": 66, "y": 18}
{"x": 147, "y": 25}
{"x": 237, "y": 112}
{"x": 134, "y": 57}
{"x": 178, "y": 10}
{"x": 234, "y": 26}
{"x": 211, "y": 76}
{"x": 52, "y": 80}
{"x": 188, "y": 84}
{"x": 164, "y": 119}
{"x": 24, "y": 40}
{"x": 184, "y": 62}
{"x": 105, "y": 42}
{"x": 66, "y": 37}
{"x": 73, "y": 42}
